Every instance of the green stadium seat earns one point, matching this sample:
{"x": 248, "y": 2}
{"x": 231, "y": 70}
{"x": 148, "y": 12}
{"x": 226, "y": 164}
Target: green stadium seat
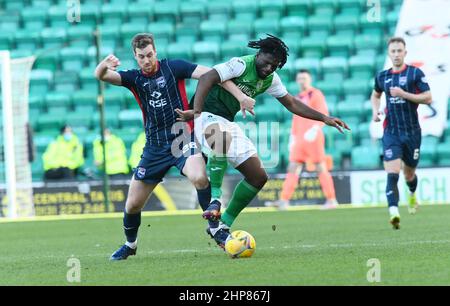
{"x": 192, "y": 12}
{"x": 218, "y": 11}
{"x": 167, "y": 11}
{"x": 206, "y": 51}
{"x": 52, "y": 37}
{"x": 73, "y": 59}
{"x": 139, "y": 15}
{"x": 313, "y": 47}
{"x": 362, "y": 66}
{"x": 211, "y": 30}
{"x": 294, "y": 44}
{"x": 15, "y": 5}
{"x": 130, "y": 118}
{"x": 245, "y": 10}
{"x": 324, "y": 7}
{"x": 357, "y": 89}
{"x": 37, "y": 102}
{"x": 187, "y": 33}
{"x": 311, "y": 64}
{"x": 232, "y": 48}
{"x": 340, "y": 45}
{"x": 443, "y": 153}
{"x": 239, "y": 29}
{"x": 28, "y": 40}
{"x": 66, "y": 81}
{"x": 37, "y": 169}
{"x": 334, "y": 68}
{"x": 320, "y": 26}
{"x": 349, "y": 108}
{"x": 34, "y": 18}
{"x": 40, "y": 81}
{"x": 58, "y": 99}
{"x": 365, "y": 158}
{"x": 266, "y": 25}
{"x": 90, "y": 14}
{"x": 367, "y": 44}
{"x": 111, "y": 117}
{"x": 42, "y": 4}
{"x": 48, "y": 60}
{"x": 114, "y": 13}
{"x": 114, "y": 96}
{"x": 391, "y": 21}
{"x": 293, "y": 26}
{"x": 128, "y": 30}
{"x": 272, "y": 9}
{"x": 79, "y": 35}
{"x": 78, "y": 119}
{"x": 57, "y": 17}
{"x": 7, "y": 40}
{"x": 380, "y": 61}
{"x": 352, "y": 7}
{"x": 50, "y": 122}
{"x": 110, "y": 36}
{"x": 427, "y": 156}
{"x": 329, "y": 87}
{"x": 371, "y": 27}
{"x": 10, "y": 21}
{"x": 162, "y": 31}
{"x": 179, "y": 50}
{"x": 88, "y": 80}
{"x": 346, "y": 24}
{"x": 299, "y": 8}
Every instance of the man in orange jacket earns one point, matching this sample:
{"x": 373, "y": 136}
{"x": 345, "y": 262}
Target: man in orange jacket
{"x": 307, "y": 144}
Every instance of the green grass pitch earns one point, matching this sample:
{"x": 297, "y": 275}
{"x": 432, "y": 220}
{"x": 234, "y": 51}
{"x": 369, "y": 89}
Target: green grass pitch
{"x": 293, "y": 248}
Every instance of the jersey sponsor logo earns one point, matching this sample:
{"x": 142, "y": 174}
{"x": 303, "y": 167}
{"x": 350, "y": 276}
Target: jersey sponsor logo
{"x": 187, "y": 147}
{"x": 387, "y": 81}
{"x": 161, "y": 82}
{"x": 396, "y": 100}
{"x": 157, "y": 102}
{"x": 402, "y": 80}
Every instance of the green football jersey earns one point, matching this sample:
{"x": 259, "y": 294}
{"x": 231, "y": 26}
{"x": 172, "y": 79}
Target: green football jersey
{"x": 222, "y": 103}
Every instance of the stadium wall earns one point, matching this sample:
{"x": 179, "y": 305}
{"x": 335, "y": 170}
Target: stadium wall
{"x": 361, "y": 188}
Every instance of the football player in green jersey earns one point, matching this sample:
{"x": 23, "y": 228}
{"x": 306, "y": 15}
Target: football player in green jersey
{"x": 214, "y": 111}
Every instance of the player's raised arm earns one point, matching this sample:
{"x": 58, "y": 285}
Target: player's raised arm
{"x": 106, "y": 70}
{"x": 301, "y": 109}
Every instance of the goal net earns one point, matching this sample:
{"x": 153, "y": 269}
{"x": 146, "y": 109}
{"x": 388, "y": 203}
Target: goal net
{"x": 16, "y": 190}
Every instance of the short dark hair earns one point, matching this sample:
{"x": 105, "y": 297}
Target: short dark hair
{"x": 304, "y": 71}
{"x": 396, "y": 39}
{"x": 142, "y": 40}
{"x": 272, "y": 45}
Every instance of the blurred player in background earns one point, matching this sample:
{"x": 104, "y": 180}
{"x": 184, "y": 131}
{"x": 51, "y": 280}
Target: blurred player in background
{"x": 405, "y": 88}
{"x": 158, "y": 87}
{"x": 307, "y": 144}
{"x": 215, "y": 110}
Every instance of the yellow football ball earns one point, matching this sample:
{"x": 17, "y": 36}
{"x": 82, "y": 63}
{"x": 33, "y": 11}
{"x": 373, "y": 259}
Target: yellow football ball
{"x": 241, "y": 244}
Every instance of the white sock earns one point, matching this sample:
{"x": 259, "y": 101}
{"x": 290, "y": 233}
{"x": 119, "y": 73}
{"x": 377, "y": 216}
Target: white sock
{"x": 393, "y": 211}
{"x": 132, "y": 245}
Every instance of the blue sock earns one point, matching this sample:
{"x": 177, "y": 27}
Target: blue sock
{"x": 392, "y": 189}
{"x": 204, "y": 197}
{"x": 131, "y": 223}
{"x": 413, "y": 184}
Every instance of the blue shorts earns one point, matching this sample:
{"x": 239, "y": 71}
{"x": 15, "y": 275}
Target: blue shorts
{"x": 407, "y": 148}
{"x": 156, "y": 161}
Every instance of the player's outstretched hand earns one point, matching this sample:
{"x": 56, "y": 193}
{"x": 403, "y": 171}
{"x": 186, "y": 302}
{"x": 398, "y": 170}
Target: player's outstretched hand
{"x": 112, "y": 62}
{"x": 337, "y": 123}
{"x": 247, "y": 104}
{"x": 184, "y": 116}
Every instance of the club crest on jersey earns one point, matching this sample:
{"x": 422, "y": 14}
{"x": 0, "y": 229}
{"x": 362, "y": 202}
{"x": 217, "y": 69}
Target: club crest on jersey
{"x": 402, "y": 80}
{"x": 140, "y": 173}
{"x": 259, "y": 84}
{"x": 161, "y": 82}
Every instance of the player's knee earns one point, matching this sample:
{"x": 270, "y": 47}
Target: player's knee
{"x": 409, "y": 176}
{"x": 259, "y": 180}
{"x": 133, "y": 205}
{"x": 199, "y": 180}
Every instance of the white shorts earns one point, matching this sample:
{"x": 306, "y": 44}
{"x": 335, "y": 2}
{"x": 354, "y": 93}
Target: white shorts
{"x": 241, "y": 148}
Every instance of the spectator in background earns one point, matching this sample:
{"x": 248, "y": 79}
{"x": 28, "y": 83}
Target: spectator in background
{"x": 136, "y": 150}
{"x": 63, "y": 156}
{"x": 116, "y": 155}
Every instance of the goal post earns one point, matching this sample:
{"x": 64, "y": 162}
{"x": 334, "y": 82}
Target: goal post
{"x": 15, "y": 77}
